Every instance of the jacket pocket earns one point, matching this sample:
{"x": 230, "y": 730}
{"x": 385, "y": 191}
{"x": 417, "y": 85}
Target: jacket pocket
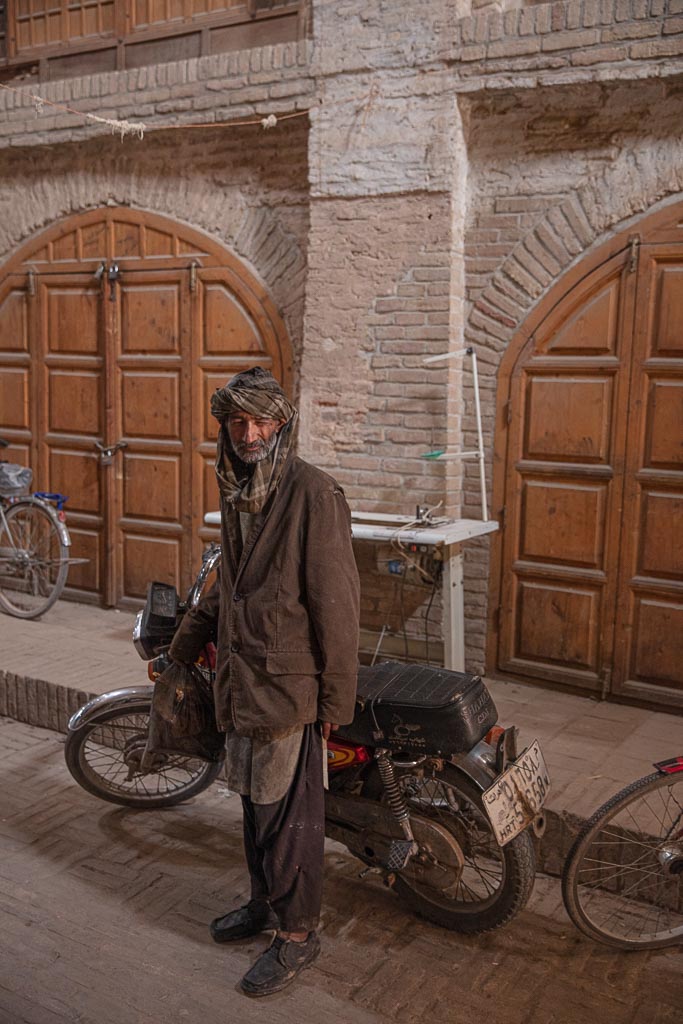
{"x": 293, "y": 663}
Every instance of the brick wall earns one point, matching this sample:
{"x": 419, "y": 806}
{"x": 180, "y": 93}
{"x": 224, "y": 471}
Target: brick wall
{"x": 456, "y": 159}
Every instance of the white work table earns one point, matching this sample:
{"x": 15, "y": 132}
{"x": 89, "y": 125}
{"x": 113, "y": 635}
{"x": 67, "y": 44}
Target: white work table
{"x": 447, "y": 533}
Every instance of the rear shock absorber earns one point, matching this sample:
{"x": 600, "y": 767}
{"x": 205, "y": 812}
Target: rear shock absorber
{"x": 400, "y": 850}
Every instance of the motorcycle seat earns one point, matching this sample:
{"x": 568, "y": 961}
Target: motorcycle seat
{"x": 416, "y": 707}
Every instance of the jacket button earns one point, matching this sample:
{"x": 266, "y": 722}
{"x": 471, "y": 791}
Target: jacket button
{"x": 236, "y": 596}
{"x": 234, "y": 646}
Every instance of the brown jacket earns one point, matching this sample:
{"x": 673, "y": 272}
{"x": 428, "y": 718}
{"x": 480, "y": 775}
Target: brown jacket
{"x": 287, "y": 611}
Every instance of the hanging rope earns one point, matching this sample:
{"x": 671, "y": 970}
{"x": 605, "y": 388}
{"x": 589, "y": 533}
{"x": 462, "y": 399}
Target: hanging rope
{"x": 123, "y": 128}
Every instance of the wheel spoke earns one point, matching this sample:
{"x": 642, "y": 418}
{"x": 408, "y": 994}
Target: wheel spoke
{"x": 615, "y": 887}
{"x": 111, "y": 751}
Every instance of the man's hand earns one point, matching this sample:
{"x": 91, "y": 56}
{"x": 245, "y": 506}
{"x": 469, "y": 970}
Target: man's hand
{"x": 327, "y": 728}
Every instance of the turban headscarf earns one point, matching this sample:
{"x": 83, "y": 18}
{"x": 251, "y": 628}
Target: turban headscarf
{"x": 257, "y": 393}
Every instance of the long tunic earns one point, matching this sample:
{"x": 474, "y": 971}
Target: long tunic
{"x": 260, "y": 769}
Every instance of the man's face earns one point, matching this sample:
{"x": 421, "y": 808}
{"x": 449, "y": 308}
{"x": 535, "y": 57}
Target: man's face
{"x": 252, "y": 437}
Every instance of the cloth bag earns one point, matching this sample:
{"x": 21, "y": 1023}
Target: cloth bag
{"x": 14, "y": 479}
{"x": 182, "y": 718}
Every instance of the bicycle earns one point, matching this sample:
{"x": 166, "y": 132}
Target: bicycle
{"x": 622, "y": 882}
{"x": 34, "y": 547}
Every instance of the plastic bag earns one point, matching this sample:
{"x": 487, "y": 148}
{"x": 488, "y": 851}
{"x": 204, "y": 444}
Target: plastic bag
{"x": 182, "y": 718}
{"x": 14, "y": 479}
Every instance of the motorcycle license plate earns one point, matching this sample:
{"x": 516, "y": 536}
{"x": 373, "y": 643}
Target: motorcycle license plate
{"x": 514, "y": 800}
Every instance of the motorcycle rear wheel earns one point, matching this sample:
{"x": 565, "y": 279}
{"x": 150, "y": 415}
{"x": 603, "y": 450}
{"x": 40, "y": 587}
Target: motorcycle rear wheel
{"x": 496, "y": 882}
{"x": 104, "y": 753}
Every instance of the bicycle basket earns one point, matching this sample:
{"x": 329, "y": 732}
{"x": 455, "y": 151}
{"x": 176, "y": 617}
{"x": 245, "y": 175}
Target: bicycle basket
{"x": 14, "y": 479}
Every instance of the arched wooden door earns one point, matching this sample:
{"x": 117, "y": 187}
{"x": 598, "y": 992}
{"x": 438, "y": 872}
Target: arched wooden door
{"x": 591, "y": 565}
{"x": 115, "y": 327}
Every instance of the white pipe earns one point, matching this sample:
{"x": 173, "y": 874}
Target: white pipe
{"x": 447, "y": 355}
{"x": 480, "y": 436}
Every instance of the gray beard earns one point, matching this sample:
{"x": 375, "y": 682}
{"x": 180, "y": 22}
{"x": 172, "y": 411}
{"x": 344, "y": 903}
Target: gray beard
{"x": 258, "y": 454}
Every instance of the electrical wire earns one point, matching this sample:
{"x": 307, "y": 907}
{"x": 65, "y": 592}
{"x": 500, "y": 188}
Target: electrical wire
{"x": 437, "y": 577}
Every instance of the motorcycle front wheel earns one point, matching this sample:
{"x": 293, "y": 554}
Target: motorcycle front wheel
{"x": 495, "y": 882}
{"x": 104, "y": 758}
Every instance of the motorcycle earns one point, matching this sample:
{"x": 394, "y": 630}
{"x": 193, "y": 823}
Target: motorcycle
{"x": 424, "y": 785}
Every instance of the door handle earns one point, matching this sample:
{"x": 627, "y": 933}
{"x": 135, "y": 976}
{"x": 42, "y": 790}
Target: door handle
{"x": 107, "y": 452}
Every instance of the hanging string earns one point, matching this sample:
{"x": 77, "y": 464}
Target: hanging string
{"x": 123, "y": 128}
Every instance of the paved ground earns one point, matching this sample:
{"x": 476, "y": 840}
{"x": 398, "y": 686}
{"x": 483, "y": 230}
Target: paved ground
{"x": 103, "y": 916}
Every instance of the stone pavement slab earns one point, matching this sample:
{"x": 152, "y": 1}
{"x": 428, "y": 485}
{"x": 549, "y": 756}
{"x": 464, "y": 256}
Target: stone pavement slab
{"x": 593, "y": 749}
{"x": 104, "y": 912}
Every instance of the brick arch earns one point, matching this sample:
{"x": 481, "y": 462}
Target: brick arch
{"x": 250, "y": 230}
{"x": 569, "y": 232}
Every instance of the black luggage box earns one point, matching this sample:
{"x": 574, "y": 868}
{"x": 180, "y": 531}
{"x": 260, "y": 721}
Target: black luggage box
{"x": 420, "y": 709}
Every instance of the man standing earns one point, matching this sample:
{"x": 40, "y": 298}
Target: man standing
{"x": 285, "y": 611}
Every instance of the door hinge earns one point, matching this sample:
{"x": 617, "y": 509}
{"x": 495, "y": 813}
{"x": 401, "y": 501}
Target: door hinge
{"x": 635, "y": 253}
{"x": 193, "y": 276}
{"x": 31, "y": 283}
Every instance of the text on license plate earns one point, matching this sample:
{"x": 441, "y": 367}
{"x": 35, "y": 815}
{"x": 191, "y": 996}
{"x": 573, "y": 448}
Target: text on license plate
{"x": 514, "y": 800}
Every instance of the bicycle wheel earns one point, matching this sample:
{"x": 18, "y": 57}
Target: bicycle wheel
{"x": 34, "y": 561}
{"x": 623, "y": 880}
{"x": 105, "y": 755}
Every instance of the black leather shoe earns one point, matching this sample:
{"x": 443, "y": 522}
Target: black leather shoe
{"x": 279, "y": 965}
{"x": 257, "y": 916}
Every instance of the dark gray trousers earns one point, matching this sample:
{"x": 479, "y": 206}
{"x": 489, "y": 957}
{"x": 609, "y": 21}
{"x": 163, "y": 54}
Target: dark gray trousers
{"x": 284, "y": 842}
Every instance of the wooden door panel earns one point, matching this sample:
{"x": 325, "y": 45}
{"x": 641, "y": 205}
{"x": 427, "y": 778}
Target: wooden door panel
{"x": 150, "y": 318}
{"x": 144, "y": 475}
{"x": 229, "y": 329}
{"x": 73, "y": 319}
{"x": 87, "y": 576}
{"x": 150, "y": 406}
{"x": 590, "y": 327}
{"x": 76, "y": 474}
{"x": 14, "y": 320}
{"x": 147, "y": 558}
{"x": 563, "y": 523}
{"x": 661, "y": 535}
{"x": 69, "y": 413}
{"x": 558, "y": 626}
{"x": 65, "y": 249}
{"x": 211, "y": 501}
{"x": 16, "y": 373}
{"x": 14, "y": 396}
{"x": 649, "y": 661}
{"x": 664, "y": 429}
{"x": 74, "y": 404}
{"x": 152, "y": 398}
{"x": 667, "y": 338}
{"x": 568, "y": 418}
{"x": 158, "y": 243}
{"x": 657, "y": 649}
{"x": 560, "y": 538}
{"x": 127, "y": 240}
